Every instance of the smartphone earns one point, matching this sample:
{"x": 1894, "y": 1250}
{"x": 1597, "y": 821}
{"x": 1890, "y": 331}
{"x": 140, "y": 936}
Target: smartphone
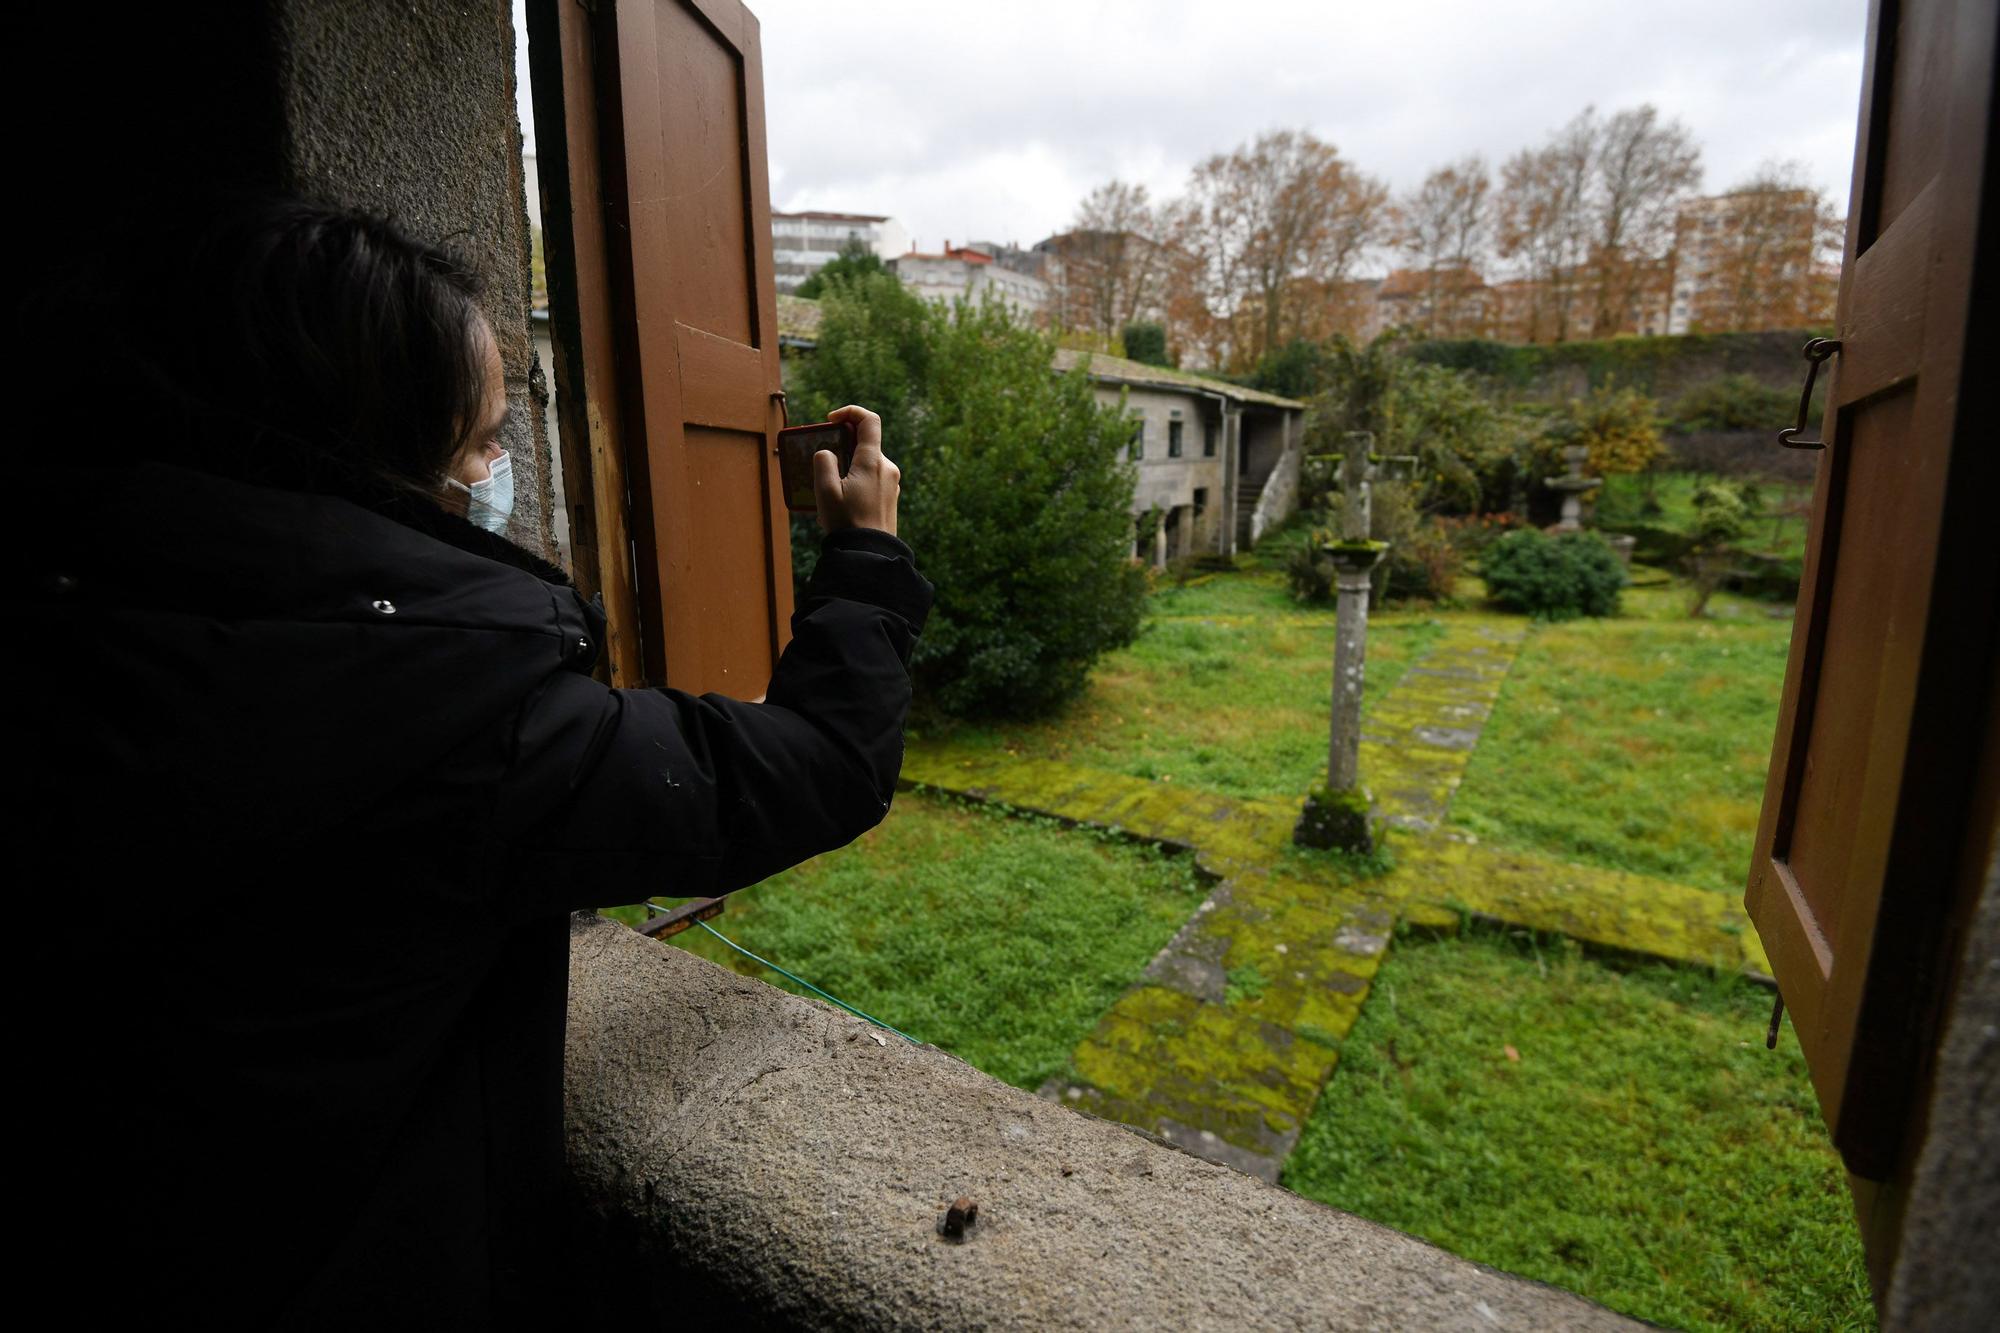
{"x": 796, "y": 447}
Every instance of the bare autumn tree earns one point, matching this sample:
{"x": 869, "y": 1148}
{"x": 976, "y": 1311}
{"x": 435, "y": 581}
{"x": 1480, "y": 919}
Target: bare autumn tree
{"x": 1269, "y": 222}
{"x": 1644, "y": 170}
{"x": 1543, "y": 222}
{"x": 1443, "y": 226}
{"x": 1764, "y": 255}
{"x": 1590, "y": 218}
{"x": 1114, "y": 262}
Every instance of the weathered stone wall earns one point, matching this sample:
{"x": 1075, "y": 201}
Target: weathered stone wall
{"x": 1169, "y": 483}
{"x": 410, "y": 110}
{"x": 750, "y": 1155}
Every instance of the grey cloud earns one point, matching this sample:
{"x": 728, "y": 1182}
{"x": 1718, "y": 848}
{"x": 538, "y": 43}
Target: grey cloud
{"x": 913, "y": 109}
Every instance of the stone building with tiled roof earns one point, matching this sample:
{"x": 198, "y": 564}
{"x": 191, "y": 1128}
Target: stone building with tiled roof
{"x": 1218, "y": 463}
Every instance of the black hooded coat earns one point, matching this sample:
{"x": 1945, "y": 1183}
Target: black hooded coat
{"x": 337, "y": 775}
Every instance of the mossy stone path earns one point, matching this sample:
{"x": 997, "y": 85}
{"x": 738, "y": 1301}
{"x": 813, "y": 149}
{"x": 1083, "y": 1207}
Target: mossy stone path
{"x": 1223, "y": 1045}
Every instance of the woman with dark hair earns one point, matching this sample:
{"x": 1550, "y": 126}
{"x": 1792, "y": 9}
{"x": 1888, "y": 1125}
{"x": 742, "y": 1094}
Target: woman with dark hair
{"x": 339, "y": 740}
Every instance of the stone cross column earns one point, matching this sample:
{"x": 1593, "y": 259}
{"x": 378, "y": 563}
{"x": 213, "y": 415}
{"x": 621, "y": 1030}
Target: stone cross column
{"x": 1355, "y": 556}
{"x": 1339, "y": 815}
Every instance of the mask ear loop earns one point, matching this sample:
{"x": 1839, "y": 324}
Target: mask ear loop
{"x": 456, "y": 497}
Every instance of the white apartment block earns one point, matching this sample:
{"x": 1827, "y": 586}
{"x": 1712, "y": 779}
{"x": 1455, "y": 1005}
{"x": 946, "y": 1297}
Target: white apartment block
{"x": 973, "y": 275}
{"x": 801, "y": 243}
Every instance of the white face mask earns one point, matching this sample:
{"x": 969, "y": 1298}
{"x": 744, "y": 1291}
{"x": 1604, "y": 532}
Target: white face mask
{"x": 493, "y": 498}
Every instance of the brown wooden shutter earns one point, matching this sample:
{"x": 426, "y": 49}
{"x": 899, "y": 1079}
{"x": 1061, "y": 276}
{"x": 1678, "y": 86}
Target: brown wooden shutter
{"x": 666, "y": 326}
{"x": 1860, "y": 878}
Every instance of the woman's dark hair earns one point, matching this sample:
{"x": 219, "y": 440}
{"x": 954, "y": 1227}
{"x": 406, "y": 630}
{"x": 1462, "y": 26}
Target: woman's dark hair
{"x": 284, "y": 343}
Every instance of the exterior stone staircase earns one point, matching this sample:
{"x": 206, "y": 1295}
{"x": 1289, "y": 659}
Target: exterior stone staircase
{"x": 1249, "y": 489}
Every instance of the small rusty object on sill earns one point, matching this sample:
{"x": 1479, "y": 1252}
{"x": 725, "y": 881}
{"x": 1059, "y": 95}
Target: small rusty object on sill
{"x": 1817, "y": 350}
{"x": 962, "y": 1214}
{"x": 662, "y": 922}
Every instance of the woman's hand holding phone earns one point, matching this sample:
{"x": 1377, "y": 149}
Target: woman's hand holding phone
{"x": 866, "y": 496}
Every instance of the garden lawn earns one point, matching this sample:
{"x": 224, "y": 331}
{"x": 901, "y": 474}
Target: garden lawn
{"x": 1228, "y": 687}
{"x": 1002, "y": 940}
{"x": 1638, "y": 743}
{"x": 1644, "y": 1150}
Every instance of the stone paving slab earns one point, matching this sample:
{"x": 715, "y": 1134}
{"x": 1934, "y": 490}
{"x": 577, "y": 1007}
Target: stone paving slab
{"x": 1608, "y": 908}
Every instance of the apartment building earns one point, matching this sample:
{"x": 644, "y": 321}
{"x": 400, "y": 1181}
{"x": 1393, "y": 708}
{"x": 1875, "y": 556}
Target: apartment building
{"x": 962, "y": 271}
{"x": 802, "y": 243}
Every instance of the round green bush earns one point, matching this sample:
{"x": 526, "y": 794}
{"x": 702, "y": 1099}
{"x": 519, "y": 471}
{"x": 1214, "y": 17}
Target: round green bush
{"x": 1554, "y": 578}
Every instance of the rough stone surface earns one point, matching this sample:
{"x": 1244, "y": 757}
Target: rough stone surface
{"x": 409, "y": 110}
{"x": 768, "y": 1159}
{"x": 1940, "y": 1281}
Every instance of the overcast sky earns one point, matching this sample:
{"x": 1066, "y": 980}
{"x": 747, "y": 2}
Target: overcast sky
{"x": 990, "y": 122}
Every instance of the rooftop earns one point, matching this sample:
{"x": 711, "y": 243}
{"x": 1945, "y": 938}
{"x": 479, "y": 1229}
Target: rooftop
{"x": 798, "y": 320}
{"x": 961, "y": 253}
{"x": 817, "y": 216}
{"x": 1103, "y": 367}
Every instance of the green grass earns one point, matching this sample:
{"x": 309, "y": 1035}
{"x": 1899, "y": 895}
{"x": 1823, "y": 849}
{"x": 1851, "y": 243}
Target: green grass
{"x": 1000, "y": 940}
{"x": 1637, "y": 743}
{"x": 1645, "y": 1150}
{"x": 1228, "y": 687}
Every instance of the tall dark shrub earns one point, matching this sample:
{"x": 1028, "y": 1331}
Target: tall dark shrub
{"x": 1147, "y": 342}
{"x": 1016, "y": 497}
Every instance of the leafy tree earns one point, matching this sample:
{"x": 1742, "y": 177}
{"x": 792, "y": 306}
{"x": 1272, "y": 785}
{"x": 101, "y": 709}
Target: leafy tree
{"x": 1722, "y": 514}
{"x": 1361, "y": 379}
{"x": 1016, "y": 496}
{"x": 1299, "y": 369}
{"x": 1620, "y": 427}
{"x": 855, "y": 260}
{"x": 1467, "y": 445}
{"x": 1146, "y": 341}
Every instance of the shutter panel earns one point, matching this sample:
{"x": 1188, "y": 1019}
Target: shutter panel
{"x": 662, "y": 108}
{"x": 1855, "y": 886}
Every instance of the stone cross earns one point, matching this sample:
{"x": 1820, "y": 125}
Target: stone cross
{"x": 1354, "y": 556}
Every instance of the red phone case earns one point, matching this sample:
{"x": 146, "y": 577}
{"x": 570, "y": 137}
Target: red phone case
{"x": 796, "y": 447}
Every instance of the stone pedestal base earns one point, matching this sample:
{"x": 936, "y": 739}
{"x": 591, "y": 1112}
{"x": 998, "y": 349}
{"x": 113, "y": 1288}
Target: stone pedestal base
{"x": 1337, "y": 820}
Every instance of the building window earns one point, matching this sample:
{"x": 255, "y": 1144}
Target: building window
{"x": 1208, "y": 433}
{"x": 1139, "y": 438}
{"x": 1173, "y": 439}
{"x": 1200, "y": 501}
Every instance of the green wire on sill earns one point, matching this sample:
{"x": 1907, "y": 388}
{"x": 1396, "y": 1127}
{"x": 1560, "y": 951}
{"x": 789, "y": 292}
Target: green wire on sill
{"x": 793, "y": 976}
